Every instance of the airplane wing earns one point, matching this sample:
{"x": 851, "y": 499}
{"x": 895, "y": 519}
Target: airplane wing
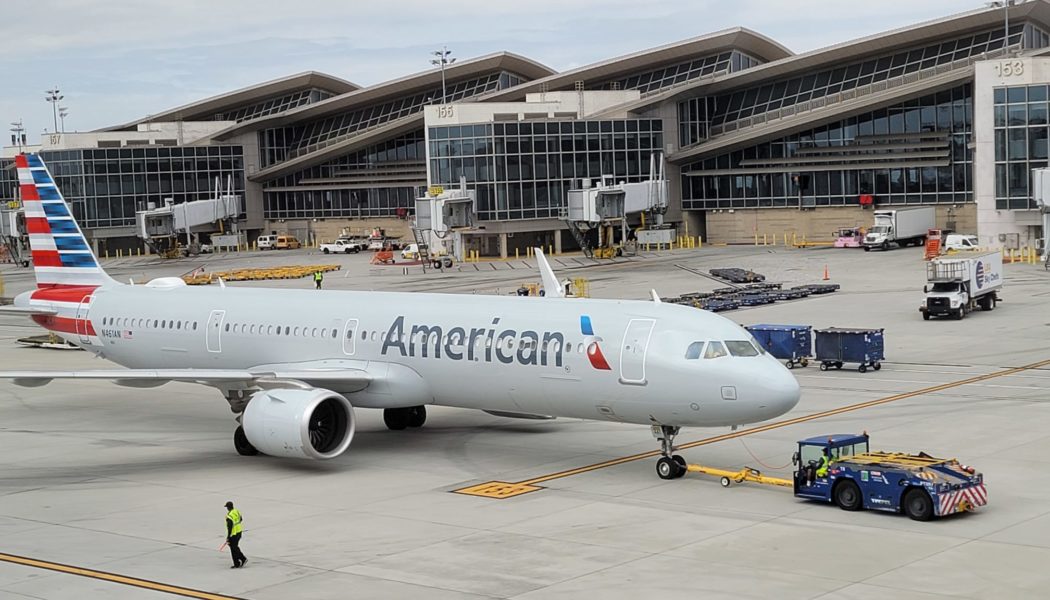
{"x": 346, "y": 379}
{"x": 551, "y": 287}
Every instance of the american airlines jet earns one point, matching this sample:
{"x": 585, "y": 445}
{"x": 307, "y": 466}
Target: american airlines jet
{"x": 294, "y": 364}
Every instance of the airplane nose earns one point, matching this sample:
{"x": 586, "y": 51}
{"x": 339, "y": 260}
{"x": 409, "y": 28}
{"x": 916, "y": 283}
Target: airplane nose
{"x": 785, "y": 391}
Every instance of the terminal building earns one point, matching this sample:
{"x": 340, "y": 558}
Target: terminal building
{"x": 751, "y": 138}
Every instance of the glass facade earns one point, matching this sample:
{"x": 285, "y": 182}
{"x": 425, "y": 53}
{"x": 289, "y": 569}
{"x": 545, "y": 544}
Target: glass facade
{"x": 698, "y": 115}
{"x": 524, "y": 169}
{"x": 279, "y": 144}
{"x": 105, "y": 187}
{"x": 658, "y": 79}
{"x": 1021, "y": 134}
{"x": 949, "y": 113}
{"x": 347, "y": 186}
{"x": 274, "y": 105}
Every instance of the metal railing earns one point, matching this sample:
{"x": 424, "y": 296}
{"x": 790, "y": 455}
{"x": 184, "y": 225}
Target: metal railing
{"x": 851, "y": 94}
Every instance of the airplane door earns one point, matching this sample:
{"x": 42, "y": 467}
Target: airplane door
{"x": 82, "y": 319}
{"x": 349, "y": 337}
{"x": 632, "y": 354}
{"x": 213, "y": 332}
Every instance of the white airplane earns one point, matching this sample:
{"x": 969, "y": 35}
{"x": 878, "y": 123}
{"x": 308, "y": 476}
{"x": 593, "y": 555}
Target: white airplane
{"x": 293, "y": 364}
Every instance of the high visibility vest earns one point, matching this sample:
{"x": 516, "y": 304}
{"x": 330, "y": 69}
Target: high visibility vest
{"x": 235, "y": 516}
{"x": 822, "y": 470}
{"x": 318, "y": 276}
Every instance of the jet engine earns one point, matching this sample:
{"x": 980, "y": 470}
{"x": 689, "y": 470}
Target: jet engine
{"x": 312, "y": 423}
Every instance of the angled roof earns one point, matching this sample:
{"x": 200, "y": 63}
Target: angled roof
{"x": 737, "y": 38}
{"x": 206, "y": 109}
{"x": 395, "y": 88}
{"x": 880, "y": 43}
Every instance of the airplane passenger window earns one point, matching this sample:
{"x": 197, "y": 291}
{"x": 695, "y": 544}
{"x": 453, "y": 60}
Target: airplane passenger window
{"x": 195, "y": 326}
{"x": 715, "y": 350}
{"x": 287, "y": 329}
{"x": 364, "y": 335}
{"x": 315, "y": 332}
{"x": 227, "y": 328}
{"x": 375, "y": 336}
{"x": 251, "y": 329}
{"x": 156, "y": 324}
{"x": 269, "y": 330}
{"x": 568, "y": 347}
{"x": 295, "y": 332}
{"x": 741, "y": 348}
{"x": 178, "y": 325}
{"x": 694, "y": 351}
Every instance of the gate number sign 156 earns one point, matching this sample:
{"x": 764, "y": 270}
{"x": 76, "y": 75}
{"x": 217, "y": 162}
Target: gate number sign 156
{"x": 1009, "y": 68}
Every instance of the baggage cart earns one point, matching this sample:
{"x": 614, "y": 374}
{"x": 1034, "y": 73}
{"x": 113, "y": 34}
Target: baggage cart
{"x": 836, "y": 346}
{"x": 790, "y": 343}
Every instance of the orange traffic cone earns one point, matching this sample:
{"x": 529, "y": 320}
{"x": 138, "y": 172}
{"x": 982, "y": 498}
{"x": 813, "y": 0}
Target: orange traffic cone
{"x": 826, "y": 273}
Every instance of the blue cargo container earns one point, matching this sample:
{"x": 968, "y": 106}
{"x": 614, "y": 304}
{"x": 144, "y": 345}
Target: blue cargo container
{"x": 792, "y": 343}
{"x": 837, "y": 345}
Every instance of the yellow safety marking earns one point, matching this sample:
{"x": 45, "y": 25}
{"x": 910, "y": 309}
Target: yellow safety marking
{"x": 114, "y": 578}
{"x": 498, "y": 489}
{"x": 778, "y": 424}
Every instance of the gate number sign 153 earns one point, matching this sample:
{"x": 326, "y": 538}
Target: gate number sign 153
{"x": 1009, "y": 68}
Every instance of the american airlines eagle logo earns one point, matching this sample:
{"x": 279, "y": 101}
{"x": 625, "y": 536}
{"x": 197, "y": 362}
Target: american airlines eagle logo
{"x": 590, "y": 342}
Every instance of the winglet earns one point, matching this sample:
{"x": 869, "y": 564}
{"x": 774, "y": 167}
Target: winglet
{"x": 551, "y": 287}
{"x": 655, "y": 296}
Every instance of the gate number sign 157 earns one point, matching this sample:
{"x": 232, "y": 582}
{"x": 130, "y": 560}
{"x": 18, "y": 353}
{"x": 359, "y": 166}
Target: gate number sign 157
{"x": 1009, "y": 68}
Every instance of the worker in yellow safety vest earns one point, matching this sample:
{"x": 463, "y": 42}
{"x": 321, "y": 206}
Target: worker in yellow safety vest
{"x": 318, "y": 278}
{"x": 234, "y": 527}
{"x": 825, "y": 462}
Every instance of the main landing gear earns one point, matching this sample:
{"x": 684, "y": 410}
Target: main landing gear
{"x": 670, "y": 465}
{"x": 397, "y": 419}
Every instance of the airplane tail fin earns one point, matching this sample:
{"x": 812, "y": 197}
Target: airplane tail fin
{"x": 61, "y": 255}
{"x": 551, "y": 287}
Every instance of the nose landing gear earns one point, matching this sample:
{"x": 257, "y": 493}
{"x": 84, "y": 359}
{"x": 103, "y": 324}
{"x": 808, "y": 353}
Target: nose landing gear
{"x": 670, "y": 465}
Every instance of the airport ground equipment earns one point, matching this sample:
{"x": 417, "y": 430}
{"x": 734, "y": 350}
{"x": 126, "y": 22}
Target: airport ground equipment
{"x": 836, "y": 346}
{"x": 900, "y": 226}
{"x": 200, "y": 277}
{"x": 790, "y": 343}
{"x": 918, "y": 485}
{"x": 958, "y": 284}
{"x": 344, "y": 246}
{"x": 736, "y": 275}
{"x": 849, "y": 237}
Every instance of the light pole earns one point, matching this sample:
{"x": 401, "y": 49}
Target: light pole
{"x": 18, "y": 134}
{"x": 53, "y": 96}
{"x": 442, "y": 60}
{"x": 63, "y": 112}
{"x": 1005, "y": 4}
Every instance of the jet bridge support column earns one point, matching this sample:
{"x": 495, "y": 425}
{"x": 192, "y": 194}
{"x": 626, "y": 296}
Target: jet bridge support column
{"x": 557, "y": 241}
{"x": 503, "y": 245}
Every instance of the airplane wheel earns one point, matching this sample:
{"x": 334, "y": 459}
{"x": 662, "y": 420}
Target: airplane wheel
{"x": 417, "y": 415}
{"x": 396, "y": 419}
{"x": 680, "y": 461}
{"x": 241, "y": 443}
{"x": 667, "y": 468}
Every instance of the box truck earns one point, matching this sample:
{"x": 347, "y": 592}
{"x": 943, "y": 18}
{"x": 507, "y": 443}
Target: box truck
{"x": 901, "y": 226}
{"x": 959, "y": 284}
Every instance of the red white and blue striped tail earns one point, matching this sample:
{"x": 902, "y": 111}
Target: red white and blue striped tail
{"x": 61, "y": 255}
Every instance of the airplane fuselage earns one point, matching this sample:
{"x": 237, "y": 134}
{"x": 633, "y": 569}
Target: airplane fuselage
{"x": 615, "y": 360}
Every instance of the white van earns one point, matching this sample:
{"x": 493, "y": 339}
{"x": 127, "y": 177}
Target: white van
{"x": 266, "y": 242}
{"x": 958, "y": 241}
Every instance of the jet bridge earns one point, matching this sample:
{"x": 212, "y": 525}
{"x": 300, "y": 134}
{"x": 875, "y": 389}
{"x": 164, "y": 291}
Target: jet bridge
{"x": 595, "y": 213}
{"x": 1041, "y": 194}
{"x": 162, "y": 227}
{"x": 442, "y": 216}
{"x": 13, "y": 233}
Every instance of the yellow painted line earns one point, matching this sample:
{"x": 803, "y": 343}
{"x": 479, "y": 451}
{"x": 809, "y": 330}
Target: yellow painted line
{"x": 775, "y": 425}
{"x": 114, "y": 578}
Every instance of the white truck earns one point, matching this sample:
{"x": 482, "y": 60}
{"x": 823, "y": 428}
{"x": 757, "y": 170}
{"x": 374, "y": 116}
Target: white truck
{"x": 960, "y": 283}
{"x": 344, "y": 246}
{"x": 901, "y": 226}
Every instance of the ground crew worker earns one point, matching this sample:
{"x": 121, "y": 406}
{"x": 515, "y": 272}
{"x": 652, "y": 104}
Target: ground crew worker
{"x": 318, "y": 278}
{"x": 234, "y": 528}
{"x": 825, "y": 462}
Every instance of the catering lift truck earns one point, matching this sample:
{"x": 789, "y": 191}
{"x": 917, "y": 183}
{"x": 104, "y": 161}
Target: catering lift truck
{"x": 918, "y": 485}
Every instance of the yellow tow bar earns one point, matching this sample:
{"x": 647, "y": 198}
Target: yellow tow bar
{"x": 726, "y": 478}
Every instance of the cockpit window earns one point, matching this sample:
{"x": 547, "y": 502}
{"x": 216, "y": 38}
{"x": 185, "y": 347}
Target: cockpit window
{"x": 694, "y": 351}
{"x": 715, "y": 350}
{"x": 761, "y": 348}
{"x": 741, "y": 348}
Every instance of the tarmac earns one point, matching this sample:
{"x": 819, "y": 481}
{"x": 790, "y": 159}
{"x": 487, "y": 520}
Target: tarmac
{"x": 110, "y": 492}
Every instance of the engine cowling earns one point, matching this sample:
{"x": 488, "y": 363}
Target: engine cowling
{"x": 313, "y": 423}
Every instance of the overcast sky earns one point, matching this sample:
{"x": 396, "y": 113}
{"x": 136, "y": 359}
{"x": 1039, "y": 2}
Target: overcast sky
{"x": 118, "y": 60}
